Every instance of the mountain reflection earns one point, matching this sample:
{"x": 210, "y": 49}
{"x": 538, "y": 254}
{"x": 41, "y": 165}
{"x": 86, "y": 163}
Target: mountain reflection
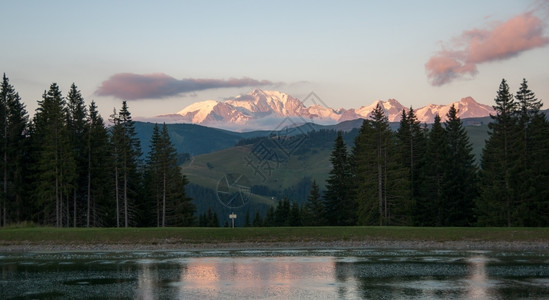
{"x": 284, "y": 277}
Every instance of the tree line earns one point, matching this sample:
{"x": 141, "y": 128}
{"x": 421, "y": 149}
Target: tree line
{"x": 420, "y": 176}
{"x": 428, "y": 177}
{"x": 65, "y": 167}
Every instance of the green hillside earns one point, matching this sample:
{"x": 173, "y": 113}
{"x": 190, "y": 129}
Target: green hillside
{"x": 268, "y": 171}
{"x": 194, "y": 139}
{"x": 282, "y": 174}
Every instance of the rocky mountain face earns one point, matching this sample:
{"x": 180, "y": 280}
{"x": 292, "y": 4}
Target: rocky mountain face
{"x": 262, "y": 109}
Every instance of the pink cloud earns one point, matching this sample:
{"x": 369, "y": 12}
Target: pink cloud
{"x": 130, "y": 86}
{"x": 473, "y": 47}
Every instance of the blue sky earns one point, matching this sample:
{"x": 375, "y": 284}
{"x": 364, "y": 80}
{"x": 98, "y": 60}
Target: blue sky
{"x": 350, "y": 53}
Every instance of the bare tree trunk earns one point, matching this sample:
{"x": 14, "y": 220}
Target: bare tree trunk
{"x": 5, "y": 196}
{"x": 57, "y": 202}
{"x": 74, "y": 208}
{"x": 89, "y": 190}
{"x": 125, "y": 199}
{"x": 164, "y": 199}
{"x": 68, "y": 212}
{"x": 116, "y": 194}
{"x": 380, "y": 186}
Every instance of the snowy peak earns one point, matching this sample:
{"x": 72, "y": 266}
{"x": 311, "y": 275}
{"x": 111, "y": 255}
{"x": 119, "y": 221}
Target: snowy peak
{"x": 263, "y": 109}
{"x": 466, "y": 108}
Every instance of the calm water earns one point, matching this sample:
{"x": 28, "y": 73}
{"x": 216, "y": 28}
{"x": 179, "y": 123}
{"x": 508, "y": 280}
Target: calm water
{"x": 291, "y": 274}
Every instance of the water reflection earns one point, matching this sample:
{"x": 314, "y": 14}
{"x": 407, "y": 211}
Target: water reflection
{"x": 280, "y": 277}
{"x": 478, "y": 280}
{"x": 147, "y": 282}
{"x": 348, "y": 274}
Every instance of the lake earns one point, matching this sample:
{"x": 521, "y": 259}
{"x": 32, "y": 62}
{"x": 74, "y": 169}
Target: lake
{"x": 275, "y": 274}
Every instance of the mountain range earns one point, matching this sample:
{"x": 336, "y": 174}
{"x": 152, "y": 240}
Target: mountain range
{"x": 264, "y": 109}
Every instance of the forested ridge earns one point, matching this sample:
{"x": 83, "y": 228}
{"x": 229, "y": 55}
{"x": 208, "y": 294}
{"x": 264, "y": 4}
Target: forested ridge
{"x": 68, "y": 167}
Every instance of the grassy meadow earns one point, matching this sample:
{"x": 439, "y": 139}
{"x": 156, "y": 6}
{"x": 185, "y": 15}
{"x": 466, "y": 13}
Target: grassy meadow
{"x": 200, "y": 235}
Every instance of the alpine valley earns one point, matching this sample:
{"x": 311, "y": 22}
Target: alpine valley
{"x": 265, "y": 110}
{"x": 222, "y": 141}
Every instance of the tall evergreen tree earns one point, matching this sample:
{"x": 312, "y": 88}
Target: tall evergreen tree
{"x": 382, "y": 187}
{"x": 166, "y": 181}
{"x": 127, "y": 151}
{"x": 99, "y": 162}
{"x": 498, "y": 167}
{"x": 533, "y": 150}
{"x": 412, "y": 143}
{"x": 314, "y": 210}
{"x": 13, "y": 150}
{"x": 55, "y": 166}
{"x": 460, "y": 178}
{"x": 429, "y": 209}
{"x": 338, "y": 200}
{"x": 77, "y": 127}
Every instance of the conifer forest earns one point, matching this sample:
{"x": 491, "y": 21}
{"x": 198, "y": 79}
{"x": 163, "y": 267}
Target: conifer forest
{"x": 66, "y": 166}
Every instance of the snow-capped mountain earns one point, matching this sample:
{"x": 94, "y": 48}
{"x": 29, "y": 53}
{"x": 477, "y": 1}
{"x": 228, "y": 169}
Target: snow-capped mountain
{"x": 262, "y": 109}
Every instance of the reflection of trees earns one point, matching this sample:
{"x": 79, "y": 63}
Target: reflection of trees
{"x": 147, "y": 280}
{"x": 347, "y": 275}
{"x": 478, "y": 282}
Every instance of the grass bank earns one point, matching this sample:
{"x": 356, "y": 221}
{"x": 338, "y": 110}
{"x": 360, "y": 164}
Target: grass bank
{"x": 152, "y": 236}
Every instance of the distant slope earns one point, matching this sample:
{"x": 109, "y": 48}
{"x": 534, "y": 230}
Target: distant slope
{"x": 198, "y": 139}
{"x": 194, "y": 139}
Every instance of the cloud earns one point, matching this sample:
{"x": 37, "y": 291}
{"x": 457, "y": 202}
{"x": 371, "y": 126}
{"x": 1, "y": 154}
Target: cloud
{"x": 130, "y": 86}
{"x": 508, "y": 39}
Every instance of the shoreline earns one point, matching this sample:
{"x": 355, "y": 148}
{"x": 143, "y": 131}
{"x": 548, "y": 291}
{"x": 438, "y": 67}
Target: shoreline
{"x": 463, "y": 245}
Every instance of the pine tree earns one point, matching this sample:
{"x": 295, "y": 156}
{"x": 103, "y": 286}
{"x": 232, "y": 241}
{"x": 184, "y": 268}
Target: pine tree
{"x": 257, "y": 222}
{"x": 498, "y": 167}
{"x": 533, "y": 150}
{"x": 153, "y": 174}
{"x": 126, "y": 151}
{"x": 282, "y": 213}
{"x": 185, "y": 208}
{"x": 314, "y": 210}
{"x": 382, "y": 187}
{"x": 338, "y": 200}
{"x": 460, "y": 176}
{"x": 99, "y": 162}
{"x": 56, "y": 168}
{"x": 76, "y": 125}
{"x": 412, "y": 143}
{"x": 13, "y": 151}
{"x": 429, "y": 210}
{"x": 166, "y": 183}
{"x": 294, "y": 216}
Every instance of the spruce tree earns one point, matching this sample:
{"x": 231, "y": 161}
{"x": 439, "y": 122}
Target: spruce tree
{"x": 461, "y": 174}
{"x": 533, "y": 151}
{"x": 381, "y": 181}
{"x": 499, "y": 163}
{"x": 258, "y": 221}
{"x": 55, "y": 168}
{"x": 412, "y": 144}
{"x": 429, "y": 209}
{"x": 99, "y": 162}
{"x": 153, "y": 174}
{"x": 127, "y": 152}
{"x": 13, "y": 152}
{"x": 338, "y": 200}
{"x": 77, "y": 127}
{"x": 294, "y": 216}
{"x": 314, "y": 210}
{"x": 166, "y": 183}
